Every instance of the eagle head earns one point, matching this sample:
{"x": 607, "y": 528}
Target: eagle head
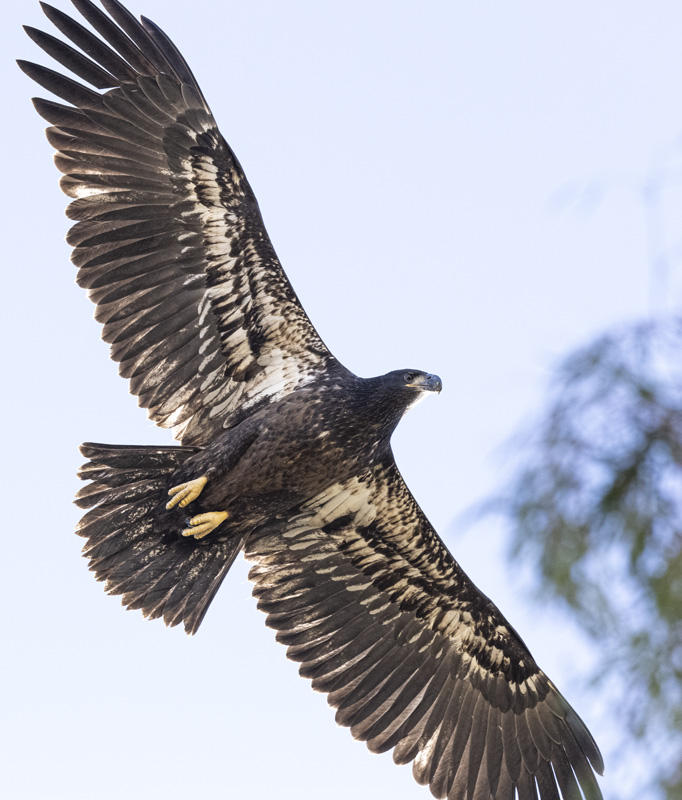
{"x": 385, "y": 399}
{"x": 421, "y": 381}
{"x": 411, "y": 385}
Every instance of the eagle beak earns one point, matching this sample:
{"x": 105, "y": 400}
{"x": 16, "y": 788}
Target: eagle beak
{"x": 427, "y": 383}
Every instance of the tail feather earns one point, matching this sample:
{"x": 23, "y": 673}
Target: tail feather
{"x": 134, "y": 456}
{"x": 132, "y": 543}
{"x": 135, "y": 485}
{"x": 116, "y": 531}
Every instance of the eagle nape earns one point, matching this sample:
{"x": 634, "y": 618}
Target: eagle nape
{"x": 284, "y": 454}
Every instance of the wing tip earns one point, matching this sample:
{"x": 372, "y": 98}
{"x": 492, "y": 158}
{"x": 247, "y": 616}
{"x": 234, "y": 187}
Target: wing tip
{"x": 25, "y": 66}
{"x": 586, "y": 741}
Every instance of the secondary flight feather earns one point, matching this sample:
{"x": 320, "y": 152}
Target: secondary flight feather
{"x": 284, "y": 453}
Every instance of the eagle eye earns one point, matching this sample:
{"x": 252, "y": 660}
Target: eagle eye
{"x": 410, "y": 376}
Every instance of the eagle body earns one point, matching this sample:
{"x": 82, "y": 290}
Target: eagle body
{"x": 294, "y": 449}
{"x": 291, "y": 450}
{"x": 283, "y": 449}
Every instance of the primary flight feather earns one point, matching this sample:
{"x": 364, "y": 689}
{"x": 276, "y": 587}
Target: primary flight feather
{"x": 284, "y": 453}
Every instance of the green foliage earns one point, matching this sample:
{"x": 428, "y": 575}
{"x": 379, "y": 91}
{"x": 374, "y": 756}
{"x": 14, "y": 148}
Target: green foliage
{"x": 596, "y": 503}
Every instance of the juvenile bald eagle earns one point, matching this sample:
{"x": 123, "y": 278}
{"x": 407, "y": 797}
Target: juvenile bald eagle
{"x": 284, "y": 453}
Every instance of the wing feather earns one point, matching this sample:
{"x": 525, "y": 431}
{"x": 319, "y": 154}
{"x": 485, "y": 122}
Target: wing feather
{"x": 413, "y": 656}
{"x": 494, "y": 749}
{"x": 505, "y": 786}
{"x": 168, "y": 237}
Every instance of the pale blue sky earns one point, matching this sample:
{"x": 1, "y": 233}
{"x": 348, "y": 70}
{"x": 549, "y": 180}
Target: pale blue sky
{"x": 409, "y": 160}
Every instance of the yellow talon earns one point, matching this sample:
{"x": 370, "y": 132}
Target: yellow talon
{"x": 185, "y": 493}
{"x": 203, "y": 524}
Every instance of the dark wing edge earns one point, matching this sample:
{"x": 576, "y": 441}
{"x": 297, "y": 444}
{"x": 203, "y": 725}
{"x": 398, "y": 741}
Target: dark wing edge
{"x": 413, "y": 656}
{"x": 168, "y": 240}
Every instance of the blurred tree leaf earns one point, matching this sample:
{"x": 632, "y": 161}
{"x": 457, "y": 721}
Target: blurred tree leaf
{"x": 595, "y": 502}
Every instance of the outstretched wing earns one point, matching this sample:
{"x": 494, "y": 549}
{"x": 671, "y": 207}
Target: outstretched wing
{"x": 414, "y": 657}
{"x": 169, "y": 240}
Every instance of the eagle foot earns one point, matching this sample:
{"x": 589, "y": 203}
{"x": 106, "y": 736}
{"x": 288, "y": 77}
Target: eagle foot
{"x": 185, "y": 493}
{"x": 203, "y": 524}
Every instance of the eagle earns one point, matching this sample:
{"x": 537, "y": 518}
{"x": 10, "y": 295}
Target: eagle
{"x": 284, "y": 454}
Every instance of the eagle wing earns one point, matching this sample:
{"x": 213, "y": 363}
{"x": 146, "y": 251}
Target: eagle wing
{"x": 169, "y": 240}
{"x": 413, "y": 656}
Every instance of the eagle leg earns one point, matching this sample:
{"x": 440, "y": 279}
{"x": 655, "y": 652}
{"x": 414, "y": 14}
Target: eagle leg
{"x": 203, "y": 524}
{"x": 185, "y": 493}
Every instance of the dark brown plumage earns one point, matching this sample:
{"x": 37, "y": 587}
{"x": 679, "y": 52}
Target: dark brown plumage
{"x": 295, "y": 449}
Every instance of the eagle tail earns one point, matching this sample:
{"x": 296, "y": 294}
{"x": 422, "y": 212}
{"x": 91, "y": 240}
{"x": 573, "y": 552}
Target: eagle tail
{"x": 129, "y": 544}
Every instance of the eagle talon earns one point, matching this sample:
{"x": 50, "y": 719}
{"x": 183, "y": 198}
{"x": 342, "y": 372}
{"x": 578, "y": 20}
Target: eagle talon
{"x": 203, "y": 524}
{"x": 185, "y": 493}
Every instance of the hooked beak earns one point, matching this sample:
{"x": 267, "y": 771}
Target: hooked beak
{"x": 427, "y": 383}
